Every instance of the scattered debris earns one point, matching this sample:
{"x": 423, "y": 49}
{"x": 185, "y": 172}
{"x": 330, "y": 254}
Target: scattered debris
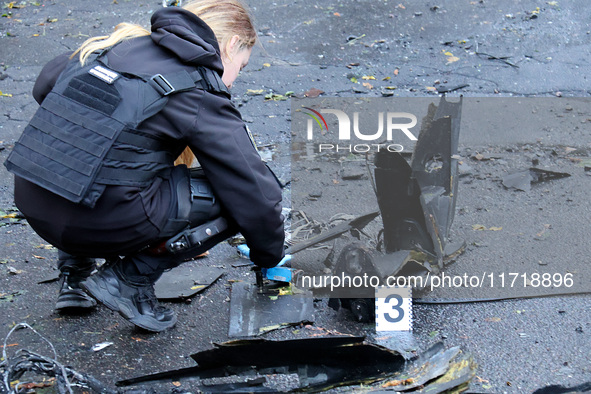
{"x": 350, "y": 174}
{"x": 185, "y": 281}
{"x": 254, "y": 312}
{"x": 4, "y": 297}
{"x": 29, "y": 370}
{"x": 500, "y": 58}
{"x": 523, "y": 180}
{"x": 557, "y": 389}
{"x": 445, "y": 89}
{"x": 323, "y": 363}
{"x": 101, "y": 346}
{"x": 13, "y": 271}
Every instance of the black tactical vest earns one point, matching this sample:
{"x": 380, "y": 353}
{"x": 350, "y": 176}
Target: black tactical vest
{"x": 84, "y": 135}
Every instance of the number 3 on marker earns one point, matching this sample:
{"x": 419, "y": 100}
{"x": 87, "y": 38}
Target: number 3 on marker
{"x": 396, "y": 307}
{"x": 393, "y": 309}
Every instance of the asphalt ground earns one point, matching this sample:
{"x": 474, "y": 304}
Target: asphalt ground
{"x": 502, "y": 49}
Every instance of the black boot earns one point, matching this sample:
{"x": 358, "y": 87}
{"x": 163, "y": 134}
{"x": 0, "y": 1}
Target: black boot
{"x": 73, "y": 270}
{"x": 132, "y": 298}
{"x": 71, "y": 297}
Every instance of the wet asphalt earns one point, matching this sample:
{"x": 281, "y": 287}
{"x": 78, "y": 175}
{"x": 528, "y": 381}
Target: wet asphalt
{"x": 502, "y": 49}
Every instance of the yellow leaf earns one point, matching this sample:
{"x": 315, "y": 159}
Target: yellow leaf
{"x": 254, "y": 92}
{"x": 430, "y": 88}
{"x": 386, "y": 79}
{"x": 197, "y": 287}
{"x": 448, "y": 53}
{"x": 35, "y": 35}
{"x": 391, "y": 87}
{"x": 452, "y": 59}
{"x": 5, "y": 94}
{"x": 368, "y": 77}
{"x": 478, "y": 227}
{"x": 495, "y": 228}
{"x": 266, "y": 65}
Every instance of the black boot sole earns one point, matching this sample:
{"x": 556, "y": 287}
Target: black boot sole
{"x": 75, "y": 306}
{"x": 123, "y": 306}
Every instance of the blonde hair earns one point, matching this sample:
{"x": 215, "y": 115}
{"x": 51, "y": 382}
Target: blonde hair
{"x": 226, "y": 18}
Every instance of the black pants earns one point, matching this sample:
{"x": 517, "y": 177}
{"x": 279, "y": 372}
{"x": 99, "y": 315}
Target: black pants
{"x": 203, "y": 207}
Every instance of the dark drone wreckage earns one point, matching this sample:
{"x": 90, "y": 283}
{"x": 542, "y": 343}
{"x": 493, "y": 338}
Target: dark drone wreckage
{"x": 416, "y": 203}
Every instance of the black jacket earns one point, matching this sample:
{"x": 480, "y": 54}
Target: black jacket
{"x": 127, "y": 218}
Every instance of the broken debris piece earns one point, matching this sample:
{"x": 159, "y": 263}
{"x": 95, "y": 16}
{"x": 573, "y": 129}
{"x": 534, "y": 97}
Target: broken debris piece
{"x": 322, "y": 363}
{"x": 253, "y": 312}
{"x": 523, "y": 180}
{"x": 185, "y": 281}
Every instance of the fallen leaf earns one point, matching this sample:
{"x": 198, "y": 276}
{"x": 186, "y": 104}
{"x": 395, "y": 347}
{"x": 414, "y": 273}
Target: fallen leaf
{"x": 478, "y": 227}
{"x": 368, "y": 77}
{"x": 401, "y": 6}
{"x": 45, "y": 246}
{"x": 252, "y": 92}
{"x": 552, "y": 3}
{"x": 275, "y": 97}
{"x": 391, "y": 87}
{"x": 353, "y": 79}
{"x": 452, "y": 59}
{"x": 138, "y": 339}
{"x": 368, "y": 85}
{"x": 39, "y": 257}
{"x": 430, "y": 88}
{"x": 493, "y": 319}
{"x": 5, "y": 94}
{"x": 266, "y": 65}
{"x": 336, "y": 14}
{"x": 313, "y": 93}
{"x": 404, "y": 382}
{"x": 386, "y": 78}
{"x": 14, "y": 5}
{"x": 495, "y": 228}
{"x": 396, "y": 72}
{"x": 176, "y": 384}
{"x": 448, "y": 53}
